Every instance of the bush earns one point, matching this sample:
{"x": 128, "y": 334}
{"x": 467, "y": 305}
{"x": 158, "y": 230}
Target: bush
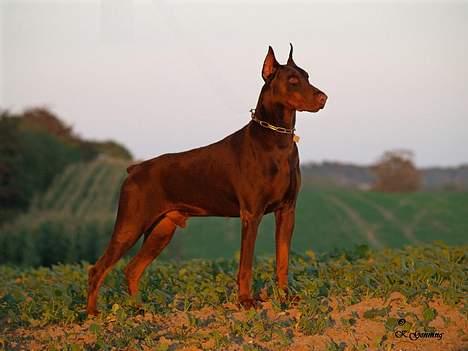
{"x": 53, "y": 239}
{"x": 396, "y": 172}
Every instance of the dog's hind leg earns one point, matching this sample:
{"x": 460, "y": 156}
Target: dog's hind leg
{"x": 128, "y": 228}
{"x": 154, "y": 244}
{"x": 284, "y": 218}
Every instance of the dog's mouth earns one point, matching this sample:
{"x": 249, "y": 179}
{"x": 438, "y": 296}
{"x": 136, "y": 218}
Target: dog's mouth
{"x": 313, "y": 109}
{"x": 309, "y": 106}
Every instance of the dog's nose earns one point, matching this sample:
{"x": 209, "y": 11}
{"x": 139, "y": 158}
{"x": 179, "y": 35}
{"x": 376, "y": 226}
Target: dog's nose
{"x": 322, "y": 98}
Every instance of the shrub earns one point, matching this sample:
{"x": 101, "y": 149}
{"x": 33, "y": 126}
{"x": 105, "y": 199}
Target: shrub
{"x": 396, "y": 172}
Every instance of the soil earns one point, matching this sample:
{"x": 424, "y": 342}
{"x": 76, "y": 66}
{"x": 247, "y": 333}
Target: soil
{"x": 362, "y": 334}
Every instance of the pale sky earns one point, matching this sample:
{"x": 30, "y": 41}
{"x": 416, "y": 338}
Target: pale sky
{"x": 166, "y": 76}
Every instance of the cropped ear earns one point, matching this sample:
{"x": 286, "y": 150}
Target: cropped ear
{"x": 290, "y": 58}
{"x": 270, "y": 65}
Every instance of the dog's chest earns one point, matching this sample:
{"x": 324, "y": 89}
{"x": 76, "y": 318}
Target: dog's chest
{"x": 277, "y": 178}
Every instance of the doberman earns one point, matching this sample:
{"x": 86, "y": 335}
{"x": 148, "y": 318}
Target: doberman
{"x": 251, "y": 172}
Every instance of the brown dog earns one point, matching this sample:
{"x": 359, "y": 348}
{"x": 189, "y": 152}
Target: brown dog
{"x": 249, "y": 173}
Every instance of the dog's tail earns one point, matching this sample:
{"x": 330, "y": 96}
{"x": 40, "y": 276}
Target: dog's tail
{"x": 131, "y": 167}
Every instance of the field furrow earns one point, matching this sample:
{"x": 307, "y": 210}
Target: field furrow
{"x": 360, "y": 222}
{"x": 91, "y": 190}
{"x": 73, "y": 191}
{"x": 57, "y": 189}
{"x": 406, "y": 228}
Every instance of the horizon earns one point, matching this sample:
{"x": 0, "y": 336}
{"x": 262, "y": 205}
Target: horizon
{"x": 157, "y": 78}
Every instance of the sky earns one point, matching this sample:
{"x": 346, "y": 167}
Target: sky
{"x": 167, "y": 76}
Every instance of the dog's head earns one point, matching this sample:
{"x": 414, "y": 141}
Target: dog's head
{"x": 290, "y": 84}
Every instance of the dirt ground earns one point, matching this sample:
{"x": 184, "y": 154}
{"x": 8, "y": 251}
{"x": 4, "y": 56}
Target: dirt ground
{"x": 361, "y": 334}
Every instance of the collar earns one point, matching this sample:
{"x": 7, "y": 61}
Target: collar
{"x": 267, "y": 125}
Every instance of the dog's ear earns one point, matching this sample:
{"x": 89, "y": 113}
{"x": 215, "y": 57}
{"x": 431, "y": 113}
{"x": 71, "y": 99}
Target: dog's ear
{"x": 290, "y": 58}
{"x": 270, "y": 65}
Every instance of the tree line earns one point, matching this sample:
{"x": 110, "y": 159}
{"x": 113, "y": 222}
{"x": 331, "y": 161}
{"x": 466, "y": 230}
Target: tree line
{"x": 36, "y": 145}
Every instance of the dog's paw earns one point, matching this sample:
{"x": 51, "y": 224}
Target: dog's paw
{"x": 248, "y": 303}
{"x": 92, "y": 312}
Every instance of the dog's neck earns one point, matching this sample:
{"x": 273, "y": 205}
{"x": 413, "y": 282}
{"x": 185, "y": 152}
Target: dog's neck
{"x": 274, "y": 112}
{"x": 277, "y": 115}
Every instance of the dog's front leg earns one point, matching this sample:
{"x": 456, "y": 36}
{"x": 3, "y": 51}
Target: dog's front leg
{"x": 250, "y": 224}
{"x": 284, "y": 229}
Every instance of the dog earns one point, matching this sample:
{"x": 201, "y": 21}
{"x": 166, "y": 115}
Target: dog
{"x": 248, "y": 174}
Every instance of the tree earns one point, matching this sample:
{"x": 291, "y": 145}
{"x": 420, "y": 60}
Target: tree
{"x": 396, "y": 172}
{"x": 43, "y": 118}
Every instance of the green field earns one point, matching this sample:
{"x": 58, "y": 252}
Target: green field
{"x": 334, "y": 219}
{"x": 73, "y": 221}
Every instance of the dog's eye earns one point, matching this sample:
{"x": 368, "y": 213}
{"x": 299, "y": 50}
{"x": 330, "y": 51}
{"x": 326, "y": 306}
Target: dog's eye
{"x": 293, "y": 80}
